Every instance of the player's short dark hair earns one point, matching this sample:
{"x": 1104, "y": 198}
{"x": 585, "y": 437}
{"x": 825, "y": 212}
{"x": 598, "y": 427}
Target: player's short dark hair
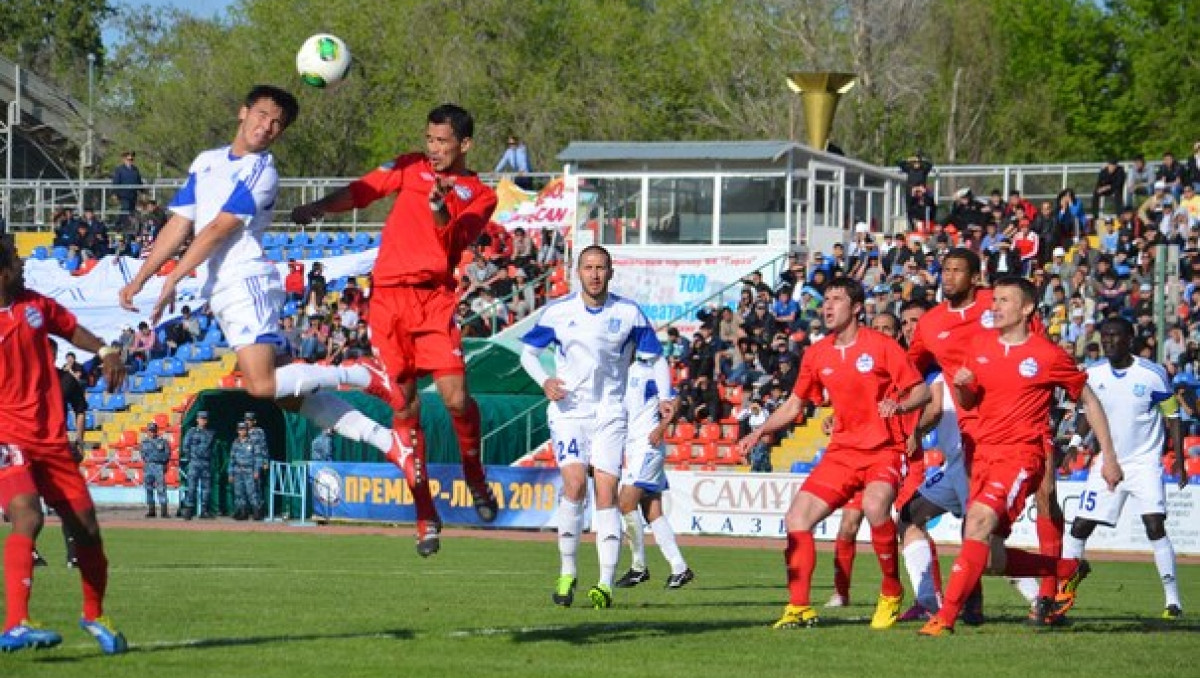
{"x": 281, "y": 97}
{"x": 8, "y": 252}
{"x": 457, "y": 117}
{"x": 595, "y": 248}
{"x": 1028, "y": 291}
{"x": 850, "y": 286}
{"x": 967, "y": 256}
{"x": 1118, "y": 321}
{"x": 914, "y": 303}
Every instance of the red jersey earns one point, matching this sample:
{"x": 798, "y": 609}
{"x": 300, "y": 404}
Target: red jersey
{"x": 857, "y": 377}
{"x": 31, "y": 411}
{"x": 414, "y": 250}
{"x": 1015, "y": 384}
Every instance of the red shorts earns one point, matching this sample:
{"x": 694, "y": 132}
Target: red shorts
{"x": 1002, "y": 478}
{"x": 844, "y": 472}
{"x": 914, "y": 477}
{"x": 414, "y": 332}
{"x": 50, "y": 472}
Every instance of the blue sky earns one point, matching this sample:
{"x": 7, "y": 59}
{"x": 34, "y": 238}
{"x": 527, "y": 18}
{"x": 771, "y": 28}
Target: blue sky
{"x": 200, "y": 8}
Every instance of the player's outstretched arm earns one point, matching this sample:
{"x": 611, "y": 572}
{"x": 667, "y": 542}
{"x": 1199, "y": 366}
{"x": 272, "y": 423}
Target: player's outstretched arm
{"x": 1109, "y": 468}
{"x": 170, "y": 238}
{"x": 111, "y": 364}
{"x": 340, "y": 200}
{"x": 784, "y": 416}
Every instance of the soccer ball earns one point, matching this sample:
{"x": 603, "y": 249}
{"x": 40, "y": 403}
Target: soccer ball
{"x": 323, "y": 60}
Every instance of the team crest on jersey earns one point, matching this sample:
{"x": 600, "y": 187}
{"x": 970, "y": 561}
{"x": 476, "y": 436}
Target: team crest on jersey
{"x": 942, "y": 336}
{"x": 427, "y": 176}
{"x": 614, "y": 325}
{"x": 988, "y": 319}
{"x": 864, "y": 363}
{"x": 34, "y": 317}
{"x": 1139, "y": 390}
{"x": 1028, "y": 368}
{"x": 464, "y": 192}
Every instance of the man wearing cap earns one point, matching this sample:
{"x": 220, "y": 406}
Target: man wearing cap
{"x": 156, "y": 454}
{"x": 196, "y": 452}
{"x": 262, "y": 463}
{"x": 243, "y": 473}
{"x": 127, "y": 174}
{"x": 1151, "y": 209}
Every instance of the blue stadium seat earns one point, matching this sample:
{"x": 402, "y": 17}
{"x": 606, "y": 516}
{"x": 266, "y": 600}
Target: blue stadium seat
{"x": 174, "y": 367}
{"x": 89, "y": 419}
{"x": 291, "y": 308}
{"x": 99, "y": 387}
{"x": 301, "y": 239}
{"x": 114, "y": 402}
{"x": 41, "y": 253}
{"x": 336, "y": 251}
{"x": 205, "y": 352}
{"x": 273, "y": 240}
{"x": 72, "y": 264}
{"x": 59, "y": 252}
{"x": 294, "y": 252}
{"x": 321, "y": 240}
{"x": 313, "y": 252}
{"x": 362, "y": 239}
{"x": 155, "y": 367}
{"x": 341, "y": 239}
{"x": 801, "y": 466}
{"x": 355, "y": 249}
{"x": 204, "y": 322}
{"x": 274, "y": 254}
{"x": 144, "y": 383}
{"x": 95, "y": 400}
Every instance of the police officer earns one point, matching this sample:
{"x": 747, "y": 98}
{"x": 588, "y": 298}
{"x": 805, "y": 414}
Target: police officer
{"x": 156, "y": 454}
{"x": 243, "y": 473}
{"x": 322, "y": 446}
{"x": 262, "y": 463}
{"x": 197, "y": 449}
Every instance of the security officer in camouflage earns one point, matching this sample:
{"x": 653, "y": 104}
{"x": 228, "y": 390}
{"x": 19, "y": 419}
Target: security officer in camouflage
{"x": 197, "y": 449}
{"x": 156, "y": 454}
{"x": 243, "y": 473}
{"x": 262, "y": 464}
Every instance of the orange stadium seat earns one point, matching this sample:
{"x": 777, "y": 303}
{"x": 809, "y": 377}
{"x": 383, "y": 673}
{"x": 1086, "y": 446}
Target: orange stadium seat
{"x": 678, "y": 452}
{"x": 733, "y": 394}
{"x": 710, "y": 431}
{"x": 684, "y": 431}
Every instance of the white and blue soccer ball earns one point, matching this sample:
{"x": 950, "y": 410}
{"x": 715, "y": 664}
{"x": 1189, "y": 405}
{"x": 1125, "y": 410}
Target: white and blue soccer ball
{"x": 323, "y": 60}
{"x": 327, "y": 487}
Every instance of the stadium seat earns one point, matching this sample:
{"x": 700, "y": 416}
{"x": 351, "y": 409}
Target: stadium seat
{"x": 727, "y": 454}
{"x": 321, "y": 240}
{"x": 301, "y": 239}
{"x": 274, "y": 254}
{"x": 59, "y": 252}
{"x": 341, "y": 239}
{"x": 293, "y": 252}
{"x": 710, "y": 431}
{"x": 337, "y": 251}
{"x": 800, "y": 466}
{"x": 733, "y": 394}
{"x": 174, "y": 367}
{"x": 99, "y": 386}
{"x": 95, "y": 400}
{"x": 268, "y": 240}
{"x": 684, "y": 431}
{"x": 41, "y": 253}
{"x": 678, "y": 452}
{"x": 71, "y": 264}
{"x": 114, "y": 402}
{"x": 291, "y": 308}
{"x": 362, "y": 239}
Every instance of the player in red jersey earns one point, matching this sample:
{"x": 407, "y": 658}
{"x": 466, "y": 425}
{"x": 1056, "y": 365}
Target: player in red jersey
{"x": 870, "y": 382}
{"x": 35, "y": 458}
{"x": 441, "y": 207}
{"x": 941, "y": 337}
{"x": 1008, "y": 381}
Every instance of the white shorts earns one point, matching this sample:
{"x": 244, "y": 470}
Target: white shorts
{"x": 948, "y": 488}
{"x": 1142, "y": 483}
{"x": 248, "y": 311}
{"x": 644, "y": 466}
{"x": 598, "y": 442}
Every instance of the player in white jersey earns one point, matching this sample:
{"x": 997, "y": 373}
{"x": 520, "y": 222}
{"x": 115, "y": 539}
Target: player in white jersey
{"x": 596, "y": 335}
{"x": 643, "y": 480}
{"x": 1141, "y": 408}
{"x": 226, "y": 204}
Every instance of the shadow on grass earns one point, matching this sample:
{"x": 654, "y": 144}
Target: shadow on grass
{"x": 615, "y": 632}
{"x": 242, "y": 641}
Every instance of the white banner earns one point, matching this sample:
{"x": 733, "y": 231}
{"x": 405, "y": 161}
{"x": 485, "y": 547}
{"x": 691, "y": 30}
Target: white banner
{"x": 669, "y": 282}
{"x": 754, "y": 504}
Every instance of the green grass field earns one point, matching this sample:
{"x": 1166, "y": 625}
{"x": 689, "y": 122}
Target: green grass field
{"x": 308, "y": 603}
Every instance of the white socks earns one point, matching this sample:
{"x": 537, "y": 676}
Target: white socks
{"x": 1164, "y": 560}
{"x": 1072, "y": 547}
{"x": 301, "y": 379}
{"x": 1028, "y": 587}
{"x": 664, "y": 536}
{"x": 608, "y": 543}
{"x": 570, "y": 519}
{"x": 637, "y": 539}
{"x": 918, "y": 561}
{"x": 329, "y": 411}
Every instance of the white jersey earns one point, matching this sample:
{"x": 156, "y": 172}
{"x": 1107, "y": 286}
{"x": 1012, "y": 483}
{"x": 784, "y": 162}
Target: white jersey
{"x": 244, "y": 187}
{"x": 1130, "y": 398}
{"x": 593, "y": 350}
{"x": 641, "y": 401}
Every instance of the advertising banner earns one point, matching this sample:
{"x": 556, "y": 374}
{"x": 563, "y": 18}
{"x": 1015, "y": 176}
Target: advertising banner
{"x": 754, "y": 505}
{"x": 528, "y": 497}
{"x": 668, "y": 283}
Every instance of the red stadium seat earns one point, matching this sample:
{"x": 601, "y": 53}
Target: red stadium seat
{"x": 704, "y": 453}
{"x": 684, "y": 431}
{"x": 678, "y": 452}
{"x": 710, "y": 431}
{"x": 734, "y": 394}
{"x": 727, "y": 454}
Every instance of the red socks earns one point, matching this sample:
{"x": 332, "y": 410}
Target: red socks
{"x": 467, "y": 428}
{"x": 413, "y": 467}
{"x": 843, "y": 566}
{"x": 93, "y": 571}
{"x": 1025, "y": 564}
{"x": 1050, "y": 539}
{"x": 800, "y": 557}
{"x": 968, "y": 568}
{"x": 18, "y": 578}
{"x": 883, "y": 539}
